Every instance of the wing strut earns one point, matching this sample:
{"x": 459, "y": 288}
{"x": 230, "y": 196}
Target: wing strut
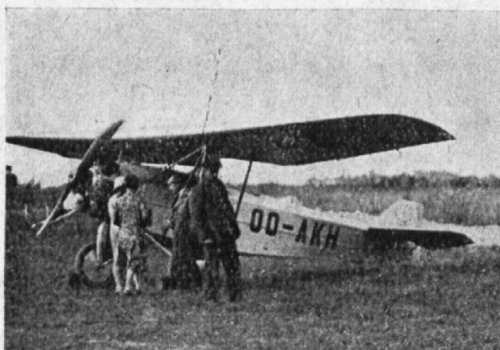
{"x": 243, "y": 188}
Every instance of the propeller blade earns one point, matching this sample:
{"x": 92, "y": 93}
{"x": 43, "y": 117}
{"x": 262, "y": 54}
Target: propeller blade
{"x": 89, "y": 156}
{"x": 83, "y": 167}
{"x": 57, "y": 207}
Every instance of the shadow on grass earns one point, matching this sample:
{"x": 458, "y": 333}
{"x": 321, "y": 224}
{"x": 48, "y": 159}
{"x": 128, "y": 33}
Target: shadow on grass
{"x": 283, "y": 275}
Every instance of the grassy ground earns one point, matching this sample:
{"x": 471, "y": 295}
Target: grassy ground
{"x": 288, "y": 304}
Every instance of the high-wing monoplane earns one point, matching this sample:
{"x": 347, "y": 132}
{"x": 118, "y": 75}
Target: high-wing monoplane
{"x": 267, "y": 230}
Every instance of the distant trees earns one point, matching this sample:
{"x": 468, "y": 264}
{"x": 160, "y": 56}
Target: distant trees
{"x": 31, "y": 194}
{"x": 373, "y": 181}
{"x": 409, "y": 181}
{"x": 447, "y": 198}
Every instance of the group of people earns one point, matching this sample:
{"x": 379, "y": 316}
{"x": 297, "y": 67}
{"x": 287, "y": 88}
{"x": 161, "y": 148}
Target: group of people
{"x": 202, "y": 222}
{"x": 114, "y": 200}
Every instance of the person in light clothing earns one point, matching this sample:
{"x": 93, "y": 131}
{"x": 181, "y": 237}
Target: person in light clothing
{"x": 127, "y": 212}
{"x": 118, "y": 191}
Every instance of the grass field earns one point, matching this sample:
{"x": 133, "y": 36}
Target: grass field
{"x": 288, "y": 304}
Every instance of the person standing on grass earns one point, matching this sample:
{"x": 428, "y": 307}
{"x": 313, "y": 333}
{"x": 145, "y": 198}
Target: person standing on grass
{"x": 104, "y": 171}
{"x": 185, "y": 274}
{"x": 130, "y": 211}
{"x": 213, "y": 220}
{"x": 10, "y": 185}
{"x": 114, "y": 227}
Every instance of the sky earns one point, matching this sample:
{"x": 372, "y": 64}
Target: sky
{"x": 71, "y": 72}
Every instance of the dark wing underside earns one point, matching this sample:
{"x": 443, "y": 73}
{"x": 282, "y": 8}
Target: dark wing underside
{"x": 287, "y": 144}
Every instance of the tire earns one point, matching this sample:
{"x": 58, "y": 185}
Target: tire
{"x": 86, "y": 267}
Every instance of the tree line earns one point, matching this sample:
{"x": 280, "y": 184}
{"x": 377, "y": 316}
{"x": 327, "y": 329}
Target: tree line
{"x": 419, "y": 180}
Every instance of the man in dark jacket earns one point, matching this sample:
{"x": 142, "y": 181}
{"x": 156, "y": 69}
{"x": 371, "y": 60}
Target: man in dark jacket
{"x": 185, "y": 274}
{"x": 11, "y": 186}
{"x": 214, "y": 222}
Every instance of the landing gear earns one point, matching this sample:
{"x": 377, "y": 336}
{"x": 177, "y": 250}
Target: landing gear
{"x": 94, "y": 274}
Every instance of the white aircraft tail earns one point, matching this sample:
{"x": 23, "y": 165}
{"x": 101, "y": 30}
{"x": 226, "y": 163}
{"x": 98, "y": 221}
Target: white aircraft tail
{"x": 402, "y": 213}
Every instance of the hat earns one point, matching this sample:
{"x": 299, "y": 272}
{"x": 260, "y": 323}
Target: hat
{"x": 131, "y": 181}
{"x": 212, "y": 163}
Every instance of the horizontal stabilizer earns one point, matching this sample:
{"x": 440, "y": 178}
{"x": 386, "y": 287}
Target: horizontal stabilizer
{"x": 403, "y": 222}
{"x": 426, "y": 238}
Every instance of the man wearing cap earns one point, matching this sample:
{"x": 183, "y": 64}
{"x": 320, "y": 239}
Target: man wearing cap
{"x": 185, "y": 273}
{"x": 214, "y": 222}
{"x": 127, "y": 210}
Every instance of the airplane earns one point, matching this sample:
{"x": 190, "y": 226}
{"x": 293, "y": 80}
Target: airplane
{"x": 266, "y": 230}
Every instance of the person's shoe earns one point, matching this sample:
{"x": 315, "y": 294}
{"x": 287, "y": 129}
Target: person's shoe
{"x": 99, "y": 265}
{"x": 210, "y": 297}
{"x": 235, "y": 296}
{"x": 74, "y": 280}
{"x": 166, "y": 283}
{"x": 118, "y": 290}
{"x": 128, "y": 292}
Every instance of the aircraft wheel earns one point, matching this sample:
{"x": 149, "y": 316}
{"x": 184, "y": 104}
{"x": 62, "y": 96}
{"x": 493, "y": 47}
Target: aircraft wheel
{"x": 92, "y": 275}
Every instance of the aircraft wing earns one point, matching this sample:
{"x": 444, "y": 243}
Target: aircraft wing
{"x": 286, "y": 144}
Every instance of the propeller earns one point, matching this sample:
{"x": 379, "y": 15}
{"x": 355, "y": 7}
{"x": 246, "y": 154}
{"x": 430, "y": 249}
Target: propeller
{"x": 81, "y": 171}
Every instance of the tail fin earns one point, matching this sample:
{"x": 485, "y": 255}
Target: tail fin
{"x": 402, "y": 213}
